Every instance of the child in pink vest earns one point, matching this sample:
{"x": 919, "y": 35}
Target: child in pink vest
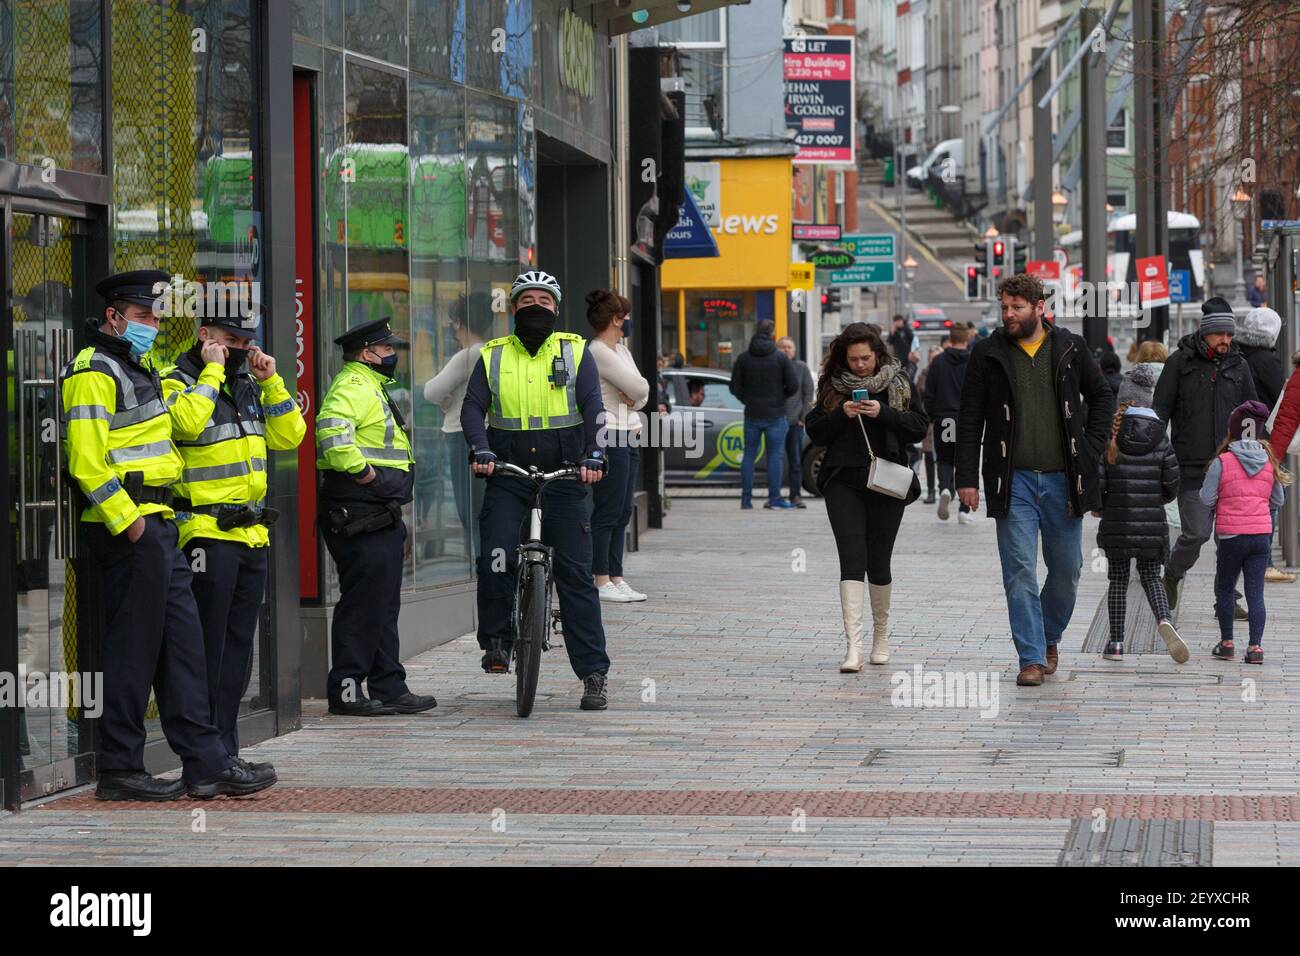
{"x": 1242, "y": 486}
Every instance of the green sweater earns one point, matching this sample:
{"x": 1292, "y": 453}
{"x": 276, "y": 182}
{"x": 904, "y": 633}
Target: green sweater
{"x": 1039, "y": 443}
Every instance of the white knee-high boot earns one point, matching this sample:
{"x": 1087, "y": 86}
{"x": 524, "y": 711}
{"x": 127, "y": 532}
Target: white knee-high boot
{"x": 880, "y": 622}
{"x": 852, "y": 594}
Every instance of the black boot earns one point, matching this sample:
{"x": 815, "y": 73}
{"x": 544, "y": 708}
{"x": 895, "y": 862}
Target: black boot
{"x": 237, "y": 780}
{"x": 137, "y": 785}
{"x": 410, "y": 703}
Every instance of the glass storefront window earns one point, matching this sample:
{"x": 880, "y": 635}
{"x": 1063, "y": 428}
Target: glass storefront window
{"x": 433, "y": 27}
{"x": 51, "y": 90}
{"x": 719, "y": 324}
{"x": 378, "y": 28}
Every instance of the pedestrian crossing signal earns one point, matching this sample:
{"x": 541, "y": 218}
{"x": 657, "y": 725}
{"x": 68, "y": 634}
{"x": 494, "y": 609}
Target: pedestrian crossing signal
{"x": 972, "y": 282}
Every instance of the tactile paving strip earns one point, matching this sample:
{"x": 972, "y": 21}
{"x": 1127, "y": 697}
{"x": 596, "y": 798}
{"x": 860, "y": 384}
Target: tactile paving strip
{"x": 731, "y": 803}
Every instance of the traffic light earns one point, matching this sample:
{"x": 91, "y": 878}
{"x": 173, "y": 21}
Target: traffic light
{"x": 1017, "y": 256}
{"x": 830, "y": 300}
{"x": 998, "y": 259}
{"x": 972, "y": 282}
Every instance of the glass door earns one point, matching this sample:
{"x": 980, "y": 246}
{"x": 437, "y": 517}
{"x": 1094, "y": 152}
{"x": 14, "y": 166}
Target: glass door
{"x": 45, "y": 271}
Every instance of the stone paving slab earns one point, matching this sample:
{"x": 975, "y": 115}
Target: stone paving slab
{"x": 727, "y": 680}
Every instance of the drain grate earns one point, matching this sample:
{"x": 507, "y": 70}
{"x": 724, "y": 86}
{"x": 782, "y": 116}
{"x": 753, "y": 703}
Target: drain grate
{"x": 958, "y": 758}
{"x": 1131, "y": 842}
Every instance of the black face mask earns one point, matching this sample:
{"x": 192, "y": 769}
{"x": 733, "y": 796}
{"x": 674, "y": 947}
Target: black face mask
{"x": 533, "y": 325}
{"x": 235, "y": 359}
{"x": 385, "y": 366}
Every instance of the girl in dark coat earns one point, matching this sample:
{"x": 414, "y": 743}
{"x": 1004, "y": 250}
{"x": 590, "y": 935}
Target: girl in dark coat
{"x": 1138, "y": 476}
{"x": 864, "y": 522}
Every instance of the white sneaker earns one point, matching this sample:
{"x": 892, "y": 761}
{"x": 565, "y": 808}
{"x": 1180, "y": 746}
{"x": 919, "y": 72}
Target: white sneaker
{"x": 945, "y": 499}
{"x": 610, "y": 592}
{"x": 631, "y": 592}
{"x": 965, "y": 517}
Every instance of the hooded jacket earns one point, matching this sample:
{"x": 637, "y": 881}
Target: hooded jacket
{"x": 1195, "y": 394}
{"x": 989, "y": 413}
{"x": 763, "y": 379}
{"x": 1256, "y": 338}
{"x": 1134, "y": 489}
{"x": 943, "y": 381}
{"x": 1241, "y": 488}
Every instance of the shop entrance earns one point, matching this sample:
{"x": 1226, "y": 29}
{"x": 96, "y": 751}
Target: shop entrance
{"x": 44, "y": 272}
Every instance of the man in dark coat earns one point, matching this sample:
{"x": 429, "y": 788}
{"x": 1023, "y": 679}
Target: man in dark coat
{"x": 943, "y": 385}
{"x": 1205, "y": 378}
{"x": 763, "y": 379}
{"x": 1024, "y": 400}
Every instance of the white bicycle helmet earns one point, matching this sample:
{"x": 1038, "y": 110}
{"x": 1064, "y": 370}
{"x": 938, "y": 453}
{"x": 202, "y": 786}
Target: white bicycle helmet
{"x": 535, "y": 279}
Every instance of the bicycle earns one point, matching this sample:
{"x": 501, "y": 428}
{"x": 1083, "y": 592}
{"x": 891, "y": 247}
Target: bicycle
{"x": 532, "y": 617}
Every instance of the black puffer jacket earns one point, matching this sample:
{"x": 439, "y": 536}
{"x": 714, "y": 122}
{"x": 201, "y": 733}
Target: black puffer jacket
{"x": 891, "y": 432}
{"x": 1196, "y": 394}
{"x": 1134, "y": 491}
{"x": 943, "y": 382}
{"x": 989, "y": 413}
{"x": 763, "y": 379}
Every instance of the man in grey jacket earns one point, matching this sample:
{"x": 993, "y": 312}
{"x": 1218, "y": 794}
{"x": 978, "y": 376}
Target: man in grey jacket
{"x": 796, "y": 407}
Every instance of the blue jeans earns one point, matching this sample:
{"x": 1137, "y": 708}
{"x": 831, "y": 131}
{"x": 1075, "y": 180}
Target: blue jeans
{"x": 1242, "y": 555}
{"x": 1040, "y": 502}
{"x": 794, "y": 458}
{"x": 773, "y": 432}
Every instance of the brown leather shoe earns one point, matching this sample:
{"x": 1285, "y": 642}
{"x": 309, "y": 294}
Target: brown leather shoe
{"x": 1031, "y": 676}
{"x": 1053, "y": 658}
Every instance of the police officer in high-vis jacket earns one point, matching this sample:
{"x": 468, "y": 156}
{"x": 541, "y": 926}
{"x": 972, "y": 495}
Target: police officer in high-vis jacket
{"x": 538, "y": 393}
{"x": 120, "y": 453}
{"x": 225, "y": 414}
{"x": 365, "y": 463}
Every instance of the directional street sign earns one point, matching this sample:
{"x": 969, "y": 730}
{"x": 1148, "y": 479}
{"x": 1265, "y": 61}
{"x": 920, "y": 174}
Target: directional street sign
{"x": 870, "y": 246}
{"x": 865, "y": 273}
{"x": 1180, "y": 285}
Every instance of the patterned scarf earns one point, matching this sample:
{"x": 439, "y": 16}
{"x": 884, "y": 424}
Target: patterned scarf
{"x": 888, "y": 378}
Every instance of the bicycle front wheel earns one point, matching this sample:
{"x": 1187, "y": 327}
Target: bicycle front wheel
{"x": 532, "y": 631}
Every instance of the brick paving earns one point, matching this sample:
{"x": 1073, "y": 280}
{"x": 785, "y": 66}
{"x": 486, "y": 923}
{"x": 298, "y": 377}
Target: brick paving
{"x": 732, "y": 739}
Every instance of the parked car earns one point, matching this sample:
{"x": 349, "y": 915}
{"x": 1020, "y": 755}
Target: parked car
{"x": 718, "y": 418}
{"x": 948, "y": 158}
{"x": 924, "y": 318}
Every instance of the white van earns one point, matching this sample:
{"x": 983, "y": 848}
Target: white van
{"x": 950, "y": 151}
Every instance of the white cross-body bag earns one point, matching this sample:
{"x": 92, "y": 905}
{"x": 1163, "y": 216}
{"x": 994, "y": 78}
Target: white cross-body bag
{"x": 885, "y": 476}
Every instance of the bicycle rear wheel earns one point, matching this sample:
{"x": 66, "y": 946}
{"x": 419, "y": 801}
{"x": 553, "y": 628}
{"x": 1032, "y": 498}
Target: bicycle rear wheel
{"x": 532, "y": 631}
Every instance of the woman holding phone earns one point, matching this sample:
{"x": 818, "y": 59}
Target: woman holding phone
{"x": 863, "y": 391}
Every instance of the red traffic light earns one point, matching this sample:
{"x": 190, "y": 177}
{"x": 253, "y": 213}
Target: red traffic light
{"x": 947, "y": 323}
{"x": 997, "y": 272}
{"x": 998, "y": 248}
{"x": 970, "y": 272}
{"x": 825, "y": 297}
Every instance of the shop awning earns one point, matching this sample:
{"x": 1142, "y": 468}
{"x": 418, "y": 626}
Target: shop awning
{"x": 618, "y": 13}
{"x": 690, "y": 238}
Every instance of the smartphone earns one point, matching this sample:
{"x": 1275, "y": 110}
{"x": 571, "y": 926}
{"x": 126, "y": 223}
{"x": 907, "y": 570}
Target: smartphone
{"x": 861, "y": 395}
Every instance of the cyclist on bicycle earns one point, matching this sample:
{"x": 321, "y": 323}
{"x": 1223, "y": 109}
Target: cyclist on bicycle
{"x": 534, "y": 400}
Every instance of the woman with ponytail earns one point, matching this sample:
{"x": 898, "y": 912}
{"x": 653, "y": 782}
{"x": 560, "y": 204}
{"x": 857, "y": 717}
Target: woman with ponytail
{"x": 864, "y": 522}
{"x": 1137, "y": 477}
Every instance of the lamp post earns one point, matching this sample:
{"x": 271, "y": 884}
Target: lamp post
{"x": 1240, "y": 203}
{"x": 909, "y": 274}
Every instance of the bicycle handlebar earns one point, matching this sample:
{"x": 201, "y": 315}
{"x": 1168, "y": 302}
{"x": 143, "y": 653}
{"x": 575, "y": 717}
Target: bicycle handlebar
{"x": 573, "y": 471}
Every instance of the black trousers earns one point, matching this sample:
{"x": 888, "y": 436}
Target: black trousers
{"x": 363, "y": 641}
{"x": 229, "y": 587}
{"x": 945, "y": 455}
{"x": 865, "y": 524}
{"x": 153, "y": 637}
{"x": 566, "y": 527}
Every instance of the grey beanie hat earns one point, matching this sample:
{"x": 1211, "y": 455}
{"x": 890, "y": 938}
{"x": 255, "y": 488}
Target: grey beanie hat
{"x": 1139, "y": 386}
{"x": 1216, "y": 316}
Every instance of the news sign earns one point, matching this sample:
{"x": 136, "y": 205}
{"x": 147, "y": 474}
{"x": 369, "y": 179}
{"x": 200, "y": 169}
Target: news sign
{"x": 819, "y": 104}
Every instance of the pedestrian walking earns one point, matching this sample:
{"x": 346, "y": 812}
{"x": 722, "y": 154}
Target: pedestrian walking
{"x": 1110, "y": 368}
{"x": 902, "y": 342}
{"x": 1257, "y": 297}
{"x": 1139, "y": 475}
{"x": 118, "y": 441}
{"x": 1203, "y": 381}
{"x": 1023, "y": 405}
{"x": 1242, "y": 484}
{"x": 763, "y": 378}
{"x": 943, "y": 388}
{"x": 796, "y": 408}
{"x": 927, "y": 443}
{"x": 624, "y": 392}
{"x": 366, "y": 469}
{"x": 222, "y": 431}
{"x": 866, "y": 409}
{"x": 1257, "y": 339}
{"x": 471, "y": 322}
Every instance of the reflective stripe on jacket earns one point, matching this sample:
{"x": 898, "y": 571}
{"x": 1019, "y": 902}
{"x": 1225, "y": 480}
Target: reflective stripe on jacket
{"x": 355, "y": 426}
{"x": 525, "y": 394}
{"x": 223, "y": 429}
{"x": 114, "y": 423}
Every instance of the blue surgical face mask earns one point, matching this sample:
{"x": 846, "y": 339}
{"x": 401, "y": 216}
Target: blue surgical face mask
{"x": 386, "y": 365}
{"x": 627, "y": 326}
{"x": 139, "y": 336}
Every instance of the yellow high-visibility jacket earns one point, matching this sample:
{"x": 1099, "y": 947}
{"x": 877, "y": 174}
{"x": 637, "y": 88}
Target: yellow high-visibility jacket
{"x": 356, "y": 427}
{"x": 223, "y": 429}
{"x": 115, "y": 422}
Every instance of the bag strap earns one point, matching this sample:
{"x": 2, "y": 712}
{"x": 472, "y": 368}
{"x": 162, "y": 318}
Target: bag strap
{"x": 863, "y": 426}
